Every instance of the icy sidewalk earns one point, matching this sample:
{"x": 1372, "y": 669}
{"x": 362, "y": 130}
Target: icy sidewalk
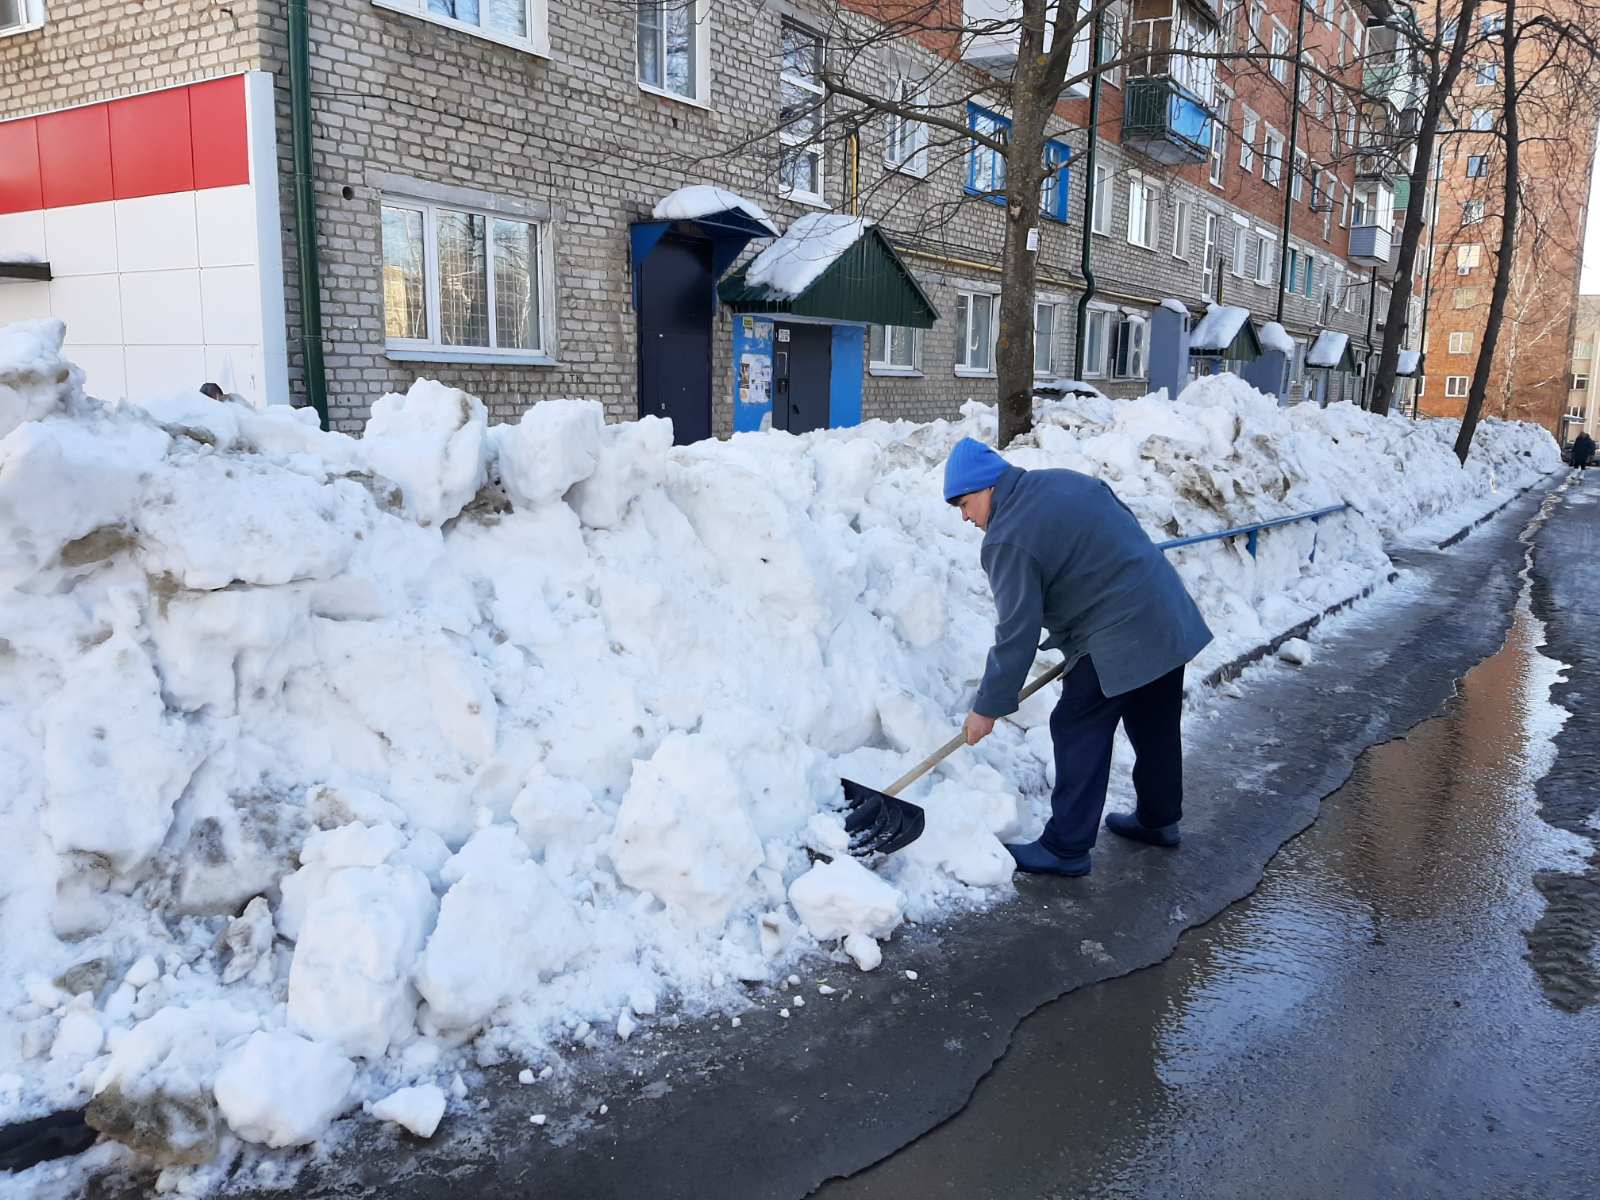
{"x": 456, "y": 744}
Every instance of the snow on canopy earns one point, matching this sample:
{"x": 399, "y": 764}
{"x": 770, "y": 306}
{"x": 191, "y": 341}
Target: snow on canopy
{"x": 704, "y": 200}
{"x": 1275, "y": 337}
{"x": 810, "y": 246}
{"x": 1218, "y": 328}
{"x": 1328, "y": 350}
{"x": 1408, "y": 362}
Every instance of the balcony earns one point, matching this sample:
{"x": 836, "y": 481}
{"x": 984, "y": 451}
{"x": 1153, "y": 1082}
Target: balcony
{"x": 1165, "y": 121}
{"x": 1369, "y": 245}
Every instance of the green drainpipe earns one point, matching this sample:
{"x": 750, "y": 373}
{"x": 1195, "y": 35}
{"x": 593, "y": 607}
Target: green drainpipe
{"x": 305, "y": 211}
{"x": 1088, "y": 200}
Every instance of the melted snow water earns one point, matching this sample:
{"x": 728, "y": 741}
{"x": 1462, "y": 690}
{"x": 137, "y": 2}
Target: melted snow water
{"x": 1364, "y": 1024}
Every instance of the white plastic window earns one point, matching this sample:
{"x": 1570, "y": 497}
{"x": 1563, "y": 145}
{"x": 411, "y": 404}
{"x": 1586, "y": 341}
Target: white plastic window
{"x": 975, "y": 327}
{"x": 800, "y": 98}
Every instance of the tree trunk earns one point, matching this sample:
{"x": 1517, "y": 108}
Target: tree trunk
{"x": 1416, "y": 206}
{"x": 1019, "y": 266}
{"x": 1507, "y": 251}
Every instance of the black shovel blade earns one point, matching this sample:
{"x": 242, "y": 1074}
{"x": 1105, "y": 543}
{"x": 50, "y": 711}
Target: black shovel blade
{"x": 878, "y": 823}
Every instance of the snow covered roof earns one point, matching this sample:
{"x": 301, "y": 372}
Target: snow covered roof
{"x": 1177, "y": 306}
{"x": 1218, "y": 328}
{"x": 1329, "y": 349}
{"x": 1408, "y": 363}
{"x": 797, "y": 260}
{"x": 1275, "y": 337}
{"x": 704, "y": 200}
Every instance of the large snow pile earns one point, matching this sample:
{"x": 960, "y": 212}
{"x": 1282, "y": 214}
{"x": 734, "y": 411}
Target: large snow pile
{"x": 335, "y": 764}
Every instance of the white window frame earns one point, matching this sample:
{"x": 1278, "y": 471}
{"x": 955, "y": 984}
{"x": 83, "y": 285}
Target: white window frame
{"x": 536, "y": 41}
{"x": 1258, "y": 10}
{"x": 1182, "y": 216}
{"x": 1580, "y": 382}
{"x": 1461, "y": 342}
{"x": 1297, "y": 180}
{"x": 1132, "y": 342}
{"x": 1266, "y": 253}
{"x": 700, "y": 21}
{"x": 1468, "y": 258}
{"x": 1101, "y": 315}
{"x": 1219, "y": 136}
{"x": 1249, "y": 126}
{"x": 1472, "y": 211}
{"x": 1144, "y": 213}
{"x": 1279, "y": 67}
{"x": 1105, "y": 194}
{"x": 1455, "y": 386}
{"x": 1272, "y": 163}
{"x": 433, "y": 348}
{"x": 1482, "y": 120}
{"x": 1486, "y": 74}
{"x": 805, "y": 145}
{"x": 963, "y": 364}
{"x": 32, "y": 17}
{"x": 906, "y": 88}
{"x": 1210, "y": 255}
{"x": 1239, "y": 260}
{"x": 1050, "y": 355}
{"x": 884, "y": 363}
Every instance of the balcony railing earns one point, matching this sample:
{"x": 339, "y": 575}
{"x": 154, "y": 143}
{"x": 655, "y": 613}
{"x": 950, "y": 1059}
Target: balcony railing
{"x": 1165, "y": 121}
{"x": 1369, "y": 245}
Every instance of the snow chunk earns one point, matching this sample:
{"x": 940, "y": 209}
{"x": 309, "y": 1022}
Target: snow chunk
{"x": 704, "y": 200}
{"x": 629, "y": 464}
{"x": 864, "y": 950}
{"x": 683, "y": 832}
{"x": 1296, "y": 651}
{"x": 554, "y": 445}
{"x": 1218, "y": 328}
{"x": 279, "y": 1089}
{"x": 812, "y": 244}
{"x": 842, "y": 897}
{"x": 1275, "y": 337}
{"x": 430, "y": 441}
{"x": 35, "y": 380}
{"x": 416, "y": 1108}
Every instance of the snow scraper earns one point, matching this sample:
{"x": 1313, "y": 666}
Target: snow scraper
{"x": 881, "y": 822}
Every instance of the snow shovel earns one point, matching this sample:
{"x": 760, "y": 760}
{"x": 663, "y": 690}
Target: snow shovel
{"x": 880, "y": 822}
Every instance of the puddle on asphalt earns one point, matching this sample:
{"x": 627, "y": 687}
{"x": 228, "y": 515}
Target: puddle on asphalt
{"x": 1368, "y": 1015}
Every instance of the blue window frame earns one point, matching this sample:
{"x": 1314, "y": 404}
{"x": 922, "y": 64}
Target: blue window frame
{"x": 1311, "y": 269}
{"x": 986, "y": 167}
{"x": 1057, "y": 189}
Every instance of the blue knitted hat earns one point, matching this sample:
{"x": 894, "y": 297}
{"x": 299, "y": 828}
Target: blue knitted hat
{"x": 971, "y": 468}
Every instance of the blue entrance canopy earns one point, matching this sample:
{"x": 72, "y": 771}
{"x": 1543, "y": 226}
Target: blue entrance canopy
{"x": 729, "y": 232}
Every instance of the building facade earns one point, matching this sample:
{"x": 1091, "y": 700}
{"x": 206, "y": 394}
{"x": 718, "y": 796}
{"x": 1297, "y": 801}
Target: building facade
{"x": 1528, "y": 378}
{"x": 496, "y": 199}
{"x": 1582, "y": 414}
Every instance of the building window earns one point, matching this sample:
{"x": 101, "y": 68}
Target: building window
{"x": 1280, "y": 50}
{"x": 1247, "y": 141}
{"x": 1580, "y": 383}
{"x": 1486, "y": 74}
{"x": 1291, "y": 269}
{"x": 1241, "y": 251}
{"x": 800, "y": 98}
{"x": 1056, "y": 191}
{"x": 1580, "y": 348}
{"x": 1144, "y": 213}
{"x": 1272, "y": 157}
{"x": 907, "y": 146}
{"x": 1311, "y": 276}
{"x": 520, "y": 23}
{"x": 1483, "y": 119}
{"x": 1131, "y": 347}
{"x": 1208, "y": 257}
{"x": 1265, "y": 246}
{"x": 20, "y": 16}
{"x": 1180, "y": 228}
{"x": 1477, "y": 166}
{"x": 1460, "y": 343}
{"x": 1102, "y": 198}
{"x": 1455, "y": 386}
{"x": 670, "y": 32}
{"x": 975, "y": 326}
{"x": 1258, "y": 9}
{"x": 1044, "y": 339}
{"x": 1468, "y": 259}
{"x": 986, "y": 166}
{"x": 894, "y": 350}
{"x": 1491, "y": 25}
{"x": 1097, "y": 342}
{"x": 462, "y": 282}
{"x": 1219, "y": 136}
{"x": 1471, "y": 212}
{"x": 1297, "y": 185}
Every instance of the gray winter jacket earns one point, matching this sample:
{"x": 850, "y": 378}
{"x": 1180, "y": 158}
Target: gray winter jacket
{"x": 1064, "y": 554}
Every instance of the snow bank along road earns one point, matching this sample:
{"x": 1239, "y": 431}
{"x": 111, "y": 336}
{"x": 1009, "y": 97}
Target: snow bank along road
{"x": 353, "y": 773}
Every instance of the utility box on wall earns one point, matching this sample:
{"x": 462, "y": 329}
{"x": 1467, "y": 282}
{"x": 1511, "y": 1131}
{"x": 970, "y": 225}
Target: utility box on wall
{"x": 1169, "y": 348}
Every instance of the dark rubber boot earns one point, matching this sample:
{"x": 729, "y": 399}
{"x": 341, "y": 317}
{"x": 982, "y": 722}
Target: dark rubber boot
{"x": 1128, "y": 826}
{"x": 1036, "y": 860}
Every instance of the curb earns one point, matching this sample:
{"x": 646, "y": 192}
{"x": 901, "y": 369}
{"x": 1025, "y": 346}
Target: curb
{"x": 1232, "y": 670}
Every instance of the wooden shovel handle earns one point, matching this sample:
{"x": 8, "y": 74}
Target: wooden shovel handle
{"x": 960, "y": 739}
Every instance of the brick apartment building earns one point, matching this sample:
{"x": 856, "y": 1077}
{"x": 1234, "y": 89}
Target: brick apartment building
{"x": 485, "y": 178}
{"x": 1582, "y": 414}
{"x": 1529, "y": 379}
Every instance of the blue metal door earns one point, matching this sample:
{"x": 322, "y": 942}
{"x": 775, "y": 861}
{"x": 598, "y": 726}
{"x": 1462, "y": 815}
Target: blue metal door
{"x": 676, "y": 302}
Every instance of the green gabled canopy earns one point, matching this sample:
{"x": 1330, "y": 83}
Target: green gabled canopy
{"x": 867, "y": 283}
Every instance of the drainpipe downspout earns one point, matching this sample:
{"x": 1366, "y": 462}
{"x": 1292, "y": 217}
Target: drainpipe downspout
{"x": 1372, "y": 307}
{"x": 1437, "y": 174}
{"x": 305, "y": 211}
{"x": 852, "y": 153}
{"x": 1294, "y": 144}
{"x": 1088, "y": 199}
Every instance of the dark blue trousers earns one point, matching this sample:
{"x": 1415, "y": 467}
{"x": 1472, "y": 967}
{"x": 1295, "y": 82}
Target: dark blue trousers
{"x": 1082, "y": 727}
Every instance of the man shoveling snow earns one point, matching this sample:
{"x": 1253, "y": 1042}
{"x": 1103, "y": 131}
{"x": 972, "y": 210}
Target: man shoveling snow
{"x": 1063, "y": 553}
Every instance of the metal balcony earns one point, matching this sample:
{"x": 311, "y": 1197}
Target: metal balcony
{"x": 1165, "y": 121}
{"x": 1369, "y": 245}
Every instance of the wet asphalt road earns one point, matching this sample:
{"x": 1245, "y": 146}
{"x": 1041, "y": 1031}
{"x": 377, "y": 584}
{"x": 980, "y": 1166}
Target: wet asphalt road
{"x": 1307, "y": 1042}
{"x": 1374, "y": 1020}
